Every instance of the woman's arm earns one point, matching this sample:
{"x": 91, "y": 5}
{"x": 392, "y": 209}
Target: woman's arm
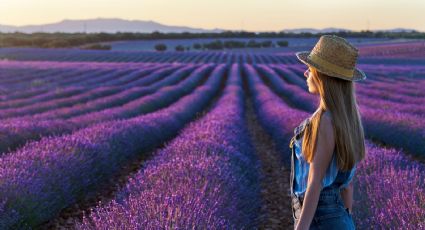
{"x": 309, "y": 204}
{"x": 347, "y": 196}
{"x": 322, "y": 157}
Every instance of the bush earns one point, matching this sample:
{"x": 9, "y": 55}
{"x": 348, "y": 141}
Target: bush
{"x": 253, "y": 44}
{"x": 12, "y": 41}
{"x": 266, "y": 44}
{"x": 160, "y": 47}
{"x": 214, "y": 45}
{"x": 96, "y": 46}
{"x": 179, "y": 48}
{"x": 282, "y": 43}
{"x": 234, "y": 44}
{"x": 57, "y": 43}
{"x": 197, "y": 46}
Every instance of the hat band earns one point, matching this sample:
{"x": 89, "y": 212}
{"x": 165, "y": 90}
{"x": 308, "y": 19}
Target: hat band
{"x": 337, "y": 69}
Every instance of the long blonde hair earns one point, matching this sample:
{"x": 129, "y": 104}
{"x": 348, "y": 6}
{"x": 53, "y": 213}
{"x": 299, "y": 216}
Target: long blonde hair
{"x": 338, "y": 97}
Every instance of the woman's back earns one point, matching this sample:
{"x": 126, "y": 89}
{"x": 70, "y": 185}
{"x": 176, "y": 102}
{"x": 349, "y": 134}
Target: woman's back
{"x": 333, "y": 177}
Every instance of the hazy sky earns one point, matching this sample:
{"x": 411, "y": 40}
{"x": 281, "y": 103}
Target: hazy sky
{"x": 251, "y": 15}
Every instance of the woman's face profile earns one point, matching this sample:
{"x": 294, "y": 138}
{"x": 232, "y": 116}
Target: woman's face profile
{"x": 311, "y": 86}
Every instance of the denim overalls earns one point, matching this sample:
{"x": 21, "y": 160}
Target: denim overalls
{"x": 330, "y": 213}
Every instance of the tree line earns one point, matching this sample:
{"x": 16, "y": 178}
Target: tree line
{"x": 228, "y": 44}
{"x": 86, "y": 40}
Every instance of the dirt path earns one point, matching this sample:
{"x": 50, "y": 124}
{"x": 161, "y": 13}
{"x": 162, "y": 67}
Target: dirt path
{"x": 276, "y": 210}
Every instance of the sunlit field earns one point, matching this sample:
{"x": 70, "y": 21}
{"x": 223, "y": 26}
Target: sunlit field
{"x": 127, "y": 139}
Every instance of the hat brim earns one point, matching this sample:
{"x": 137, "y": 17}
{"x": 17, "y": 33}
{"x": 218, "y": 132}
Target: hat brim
{"x": 357, "y": 76}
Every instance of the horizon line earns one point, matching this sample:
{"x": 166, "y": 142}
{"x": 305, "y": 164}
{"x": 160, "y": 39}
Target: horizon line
{"x": 294, "y": 28}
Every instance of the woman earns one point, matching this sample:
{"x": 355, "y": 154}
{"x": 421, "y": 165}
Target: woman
{"x": 327, "y": 146}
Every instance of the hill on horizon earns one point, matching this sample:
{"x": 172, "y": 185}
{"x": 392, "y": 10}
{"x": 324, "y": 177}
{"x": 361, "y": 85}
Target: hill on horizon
{"x": 114, "y": 25}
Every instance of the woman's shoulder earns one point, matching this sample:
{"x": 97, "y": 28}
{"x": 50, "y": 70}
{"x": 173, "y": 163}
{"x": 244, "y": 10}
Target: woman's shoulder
{"x": 326, "y": 118}
{"x": 326, "y": 122}
{"x": 327, "y": 113}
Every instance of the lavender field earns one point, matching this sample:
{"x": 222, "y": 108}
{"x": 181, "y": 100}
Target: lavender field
{"x": 193, "y": 140}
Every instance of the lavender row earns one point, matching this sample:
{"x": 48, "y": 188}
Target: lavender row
{"x": 46, "y": 65}
{"x": 16, "y": 132}
{"x": 278, "y": 118}
{"x": 56, "y": 74}
{"x": 59, "y": 80}
{"x": 85, "y": 96}
{"x": 163, "y": 97}
{"x": 121, "y": 96}
{"x": 396, "y": 129}
{"x": 68, "y": 91}
{"x": 387, "y": 74}
{"x": 68, "y": 55}
{"x": 365, "y": 95}
{"x": 86, "y": 78}
{"x": 387, "y": 95}
{"x": 391, "y": 50}
{"x": 362, "y": 90}
{"x": 389, "y": 190}
{"x": 398, "y": 88}
{"x": 370, "y": 95}
{"x": 269, "y": 56}
{"x": 384, "y": 179}
{"x": 387, "y": 82}
{"x": 42, "y": 96}
{"x": 130, "y": 92}
{"x": 408, "y": 78}
{"x": 37, "y": 87}
{"x": 15, "y": 75}
{"x": 7, "y": 73}
{"x": 208, "y": 177}
{"x": 393, "y": 107}
{"x": 44, "y": 177}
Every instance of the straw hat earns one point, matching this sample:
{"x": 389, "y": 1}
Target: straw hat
{"x": 333, "y": 56}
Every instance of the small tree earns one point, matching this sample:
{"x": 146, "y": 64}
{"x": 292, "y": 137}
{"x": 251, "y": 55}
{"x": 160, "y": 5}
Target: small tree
{"x": 179, "y": 48}
{"x": 160, "y": 47}
{"x": 56, "y": 43}
{"x": 214, "y": 45}
{"x": 96, "y": 46}
{"x": 266, "y": 44}
{"x": 253, "y": 44}
{"x": 197, "y": 46}
{"x": 282, "y": 43}
{"x": 230, "y": 44}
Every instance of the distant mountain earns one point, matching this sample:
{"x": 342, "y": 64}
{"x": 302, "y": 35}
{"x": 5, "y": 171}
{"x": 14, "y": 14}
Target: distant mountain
{"x": 314, "y": 31}
{"x": 333, "y": 30}
{"x": 108, "y": 25}
{"x": 397, "y": 30}
{"x": 113, "y": 25}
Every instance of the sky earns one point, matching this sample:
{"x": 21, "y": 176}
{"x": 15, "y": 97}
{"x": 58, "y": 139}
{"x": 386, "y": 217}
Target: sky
{"x": 249, "y": 15}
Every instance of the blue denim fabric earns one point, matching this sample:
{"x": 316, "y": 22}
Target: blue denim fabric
{"x": 330, "y": 212}
{"x": 301, "y": 166}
